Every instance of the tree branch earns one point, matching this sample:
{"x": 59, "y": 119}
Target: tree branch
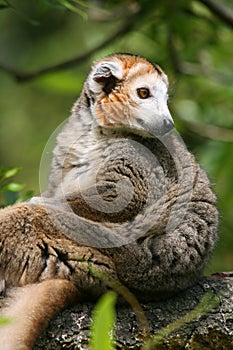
{"x": 172, "y": 322}
{"x": 173, "y": 52}
{"x": 20, "y": 76}
{"x": 220, "y": 10}
{"x": 203, "y": 70}
{"x": 193, "y": 69}
{"x": 209, "y": 131}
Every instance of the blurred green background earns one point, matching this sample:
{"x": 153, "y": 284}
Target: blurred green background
{"x": 191, "y": 40}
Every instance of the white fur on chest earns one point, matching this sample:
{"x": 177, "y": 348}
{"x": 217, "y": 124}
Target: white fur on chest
{"x": 82, "y": 157}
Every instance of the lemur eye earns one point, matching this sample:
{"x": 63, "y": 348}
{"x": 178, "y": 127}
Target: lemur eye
{"x": 143, "y": 93}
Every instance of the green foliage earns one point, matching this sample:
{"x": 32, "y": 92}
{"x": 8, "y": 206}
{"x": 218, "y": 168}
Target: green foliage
{"x": 122, "y": 290}
{"x": 75, "y": 6}
{"x": 9, "y": 190}
{"x": 206, "y": 304}
{"x": 104, "y": 317}
{"x": 102, "y": 329}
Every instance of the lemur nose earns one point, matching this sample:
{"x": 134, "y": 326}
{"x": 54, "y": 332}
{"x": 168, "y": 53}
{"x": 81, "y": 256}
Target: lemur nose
{"x": 168, "y": 125}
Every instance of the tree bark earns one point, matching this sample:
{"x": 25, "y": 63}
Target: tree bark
{"x": 209, "y": 330}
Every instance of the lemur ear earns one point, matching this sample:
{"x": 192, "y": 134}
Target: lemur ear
{"x": 107, "y": 69}
{"x": 106, "y": 74}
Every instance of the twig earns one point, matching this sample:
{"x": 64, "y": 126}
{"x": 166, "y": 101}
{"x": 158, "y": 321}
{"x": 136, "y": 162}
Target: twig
{"x": 212, "y": 132}
{"x": 172, "y": 50}
{"x": 202, "y": 70}
{"x": 220, "y": 10}
{"x": 208, "y": 302}
{"x": 193, "y": 69}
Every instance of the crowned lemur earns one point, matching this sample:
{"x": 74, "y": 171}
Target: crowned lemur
{"x": 124, "y": 195}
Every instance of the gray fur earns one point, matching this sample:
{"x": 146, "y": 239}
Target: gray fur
{"x": 135, "y": 205}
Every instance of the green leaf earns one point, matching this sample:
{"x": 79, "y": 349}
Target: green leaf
{"x": 10, "y": 173}
{"x": 102, "y": 329}
{"x": 74, "y": 8}
{"x": 12, "y": 187}
{"x": 25, "y": 197}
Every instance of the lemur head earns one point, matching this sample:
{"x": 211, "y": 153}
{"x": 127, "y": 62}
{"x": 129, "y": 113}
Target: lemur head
{"x": 128, "y": 92}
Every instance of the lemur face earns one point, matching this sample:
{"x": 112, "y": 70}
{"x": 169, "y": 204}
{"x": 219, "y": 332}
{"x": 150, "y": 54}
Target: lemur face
{"x": 129, "y": 92}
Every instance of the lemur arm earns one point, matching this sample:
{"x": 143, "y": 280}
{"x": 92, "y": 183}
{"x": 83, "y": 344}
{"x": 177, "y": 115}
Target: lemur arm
{"x": 43, "y": 271}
